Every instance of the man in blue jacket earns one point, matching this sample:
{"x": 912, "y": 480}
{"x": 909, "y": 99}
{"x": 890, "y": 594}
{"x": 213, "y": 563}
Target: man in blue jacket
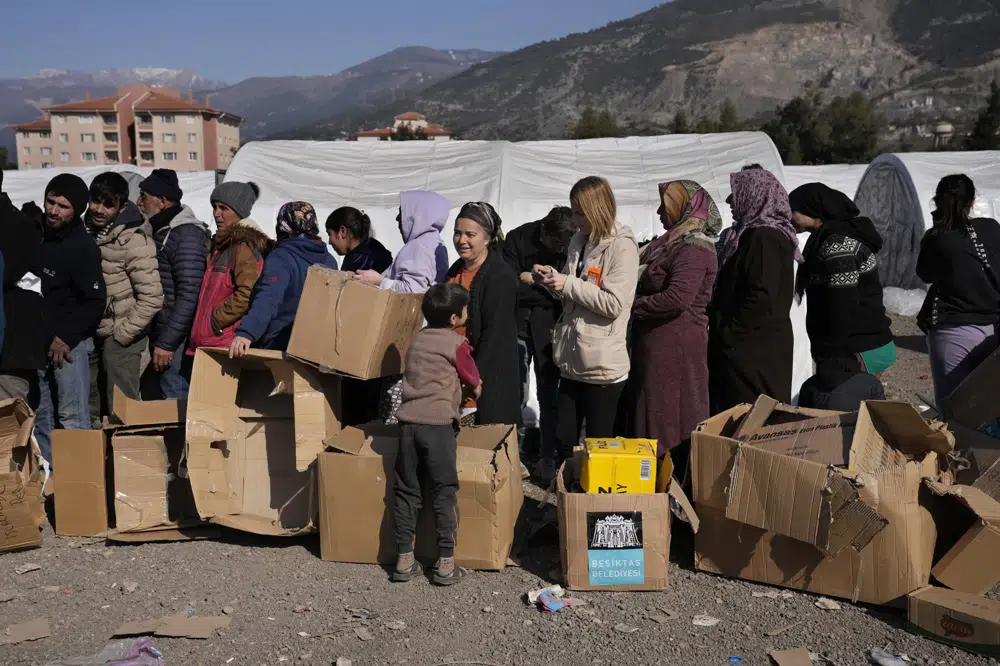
{"x": 73, "y": 295}
{"x": 181, "y": 250}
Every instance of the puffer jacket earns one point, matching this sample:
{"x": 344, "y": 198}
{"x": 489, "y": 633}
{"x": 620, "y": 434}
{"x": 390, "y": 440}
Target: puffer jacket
{"x": 234, "y": 265}
{"x": 588, "y": 341}
{"x": 131, "y": 276}
{"x": 181, "y": 247}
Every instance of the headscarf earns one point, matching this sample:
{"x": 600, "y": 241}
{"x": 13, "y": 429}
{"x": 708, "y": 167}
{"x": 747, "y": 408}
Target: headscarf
{"x": 692, "y": 217}
{"x": 486, "y": 216}
{"x": 823, "y": 203}
{"x": 759, "y": 201}
{"x": 297, "y": 218}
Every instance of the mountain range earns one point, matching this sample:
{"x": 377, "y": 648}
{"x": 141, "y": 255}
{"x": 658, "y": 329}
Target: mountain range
{"x": 920, "y": 60}
{"x": 269, "y": 104}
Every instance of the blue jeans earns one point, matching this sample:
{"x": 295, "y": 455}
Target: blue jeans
{"x": 172, "y": 383}
{"x": 64, "y": 397}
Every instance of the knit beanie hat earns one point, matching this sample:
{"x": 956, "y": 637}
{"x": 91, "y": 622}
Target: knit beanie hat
{"x": 238, "y": 196}
{"x": 73, "y": 189}
{"x": 162, "y": 183}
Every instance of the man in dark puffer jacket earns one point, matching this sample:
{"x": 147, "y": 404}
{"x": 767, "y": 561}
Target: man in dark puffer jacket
{"x": 181, "y": 250}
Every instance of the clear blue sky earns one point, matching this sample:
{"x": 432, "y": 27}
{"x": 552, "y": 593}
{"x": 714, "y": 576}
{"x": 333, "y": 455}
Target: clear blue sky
{"x": 229, "y": 40}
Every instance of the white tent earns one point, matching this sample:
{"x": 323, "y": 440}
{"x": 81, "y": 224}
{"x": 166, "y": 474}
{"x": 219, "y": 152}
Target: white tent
{"x": 897, "y": 193}
{"x": 29, "y": 184}
{"x": 841, "y": 177}
{"x": 523, "y": 180}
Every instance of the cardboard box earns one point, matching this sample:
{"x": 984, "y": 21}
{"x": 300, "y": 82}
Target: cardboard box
{"x": 356, "y": 497}
{"x": 22, "y": 510}
{"x": 974, "y": 403}
{"x": 962, "y": 620}
{"x": 81, "y": 491}
{"x": 254, "y": 428}
{"x": 978, "y": 459}
{"x": 615, "y": 542}
{"x": 968, "y": 565}
{"x": 765, "y": 516}
{"x": 346, "y": 327}
{"x": 619, "y": 466}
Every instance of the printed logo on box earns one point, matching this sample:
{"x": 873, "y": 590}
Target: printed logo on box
{"x": 957, "y": 628}
{"x": 614, "y": 554}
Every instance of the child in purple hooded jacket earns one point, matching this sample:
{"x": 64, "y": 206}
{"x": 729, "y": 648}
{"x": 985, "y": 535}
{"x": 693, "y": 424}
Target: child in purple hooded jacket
{"x": 422, "y": 262}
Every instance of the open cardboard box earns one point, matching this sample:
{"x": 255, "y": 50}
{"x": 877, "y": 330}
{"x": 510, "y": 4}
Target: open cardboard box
{"x": 617, "y": 541}
{"x": 794, "y": 519}
{"x": 346, "y": 327}
{"x": 956, "y": 618}
{"x": 969, "y": 527}
{"x": 356, "y": 479}
{"x": 144, "y": 478}
{"x": 22, "y": 510}
{"x": 254, "y": 428}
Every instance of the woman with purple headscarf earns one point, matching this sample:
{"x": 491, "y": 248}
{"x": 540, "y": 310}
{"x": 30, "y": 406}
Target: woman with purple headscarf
{"x": 750, "y": 335}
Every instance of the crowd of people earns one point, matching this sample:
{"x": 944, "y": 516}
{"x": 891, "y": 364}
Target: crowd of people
{"x": 642, "y": 340}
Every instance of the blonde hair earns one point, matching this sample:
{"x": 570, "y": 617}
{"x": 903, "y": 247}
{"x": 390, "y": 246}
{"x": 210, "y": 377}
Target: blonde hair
{"x": 595, "y": 199}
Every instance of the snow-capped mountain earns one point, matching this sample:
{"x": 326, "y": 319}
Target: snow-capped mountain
{"x": 157, "y": 76}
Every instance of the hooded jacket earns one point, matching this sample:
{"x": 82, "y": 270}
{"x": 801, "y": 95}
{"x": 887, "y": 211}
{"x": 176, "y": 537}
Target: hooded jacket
{"x": 72, "y": 284}
{"x": 181, "y": 247}
{"x": 276, "y": 295}
{"x": 131, "y": 277}
{"x": 20, "y": 245}
{"x": 588, "y": 341}
{"x": 369, "y": 255}
{"x": 423, "y": 260}
{"x": 844, "y": 311}
{"x": 234, "y": 266}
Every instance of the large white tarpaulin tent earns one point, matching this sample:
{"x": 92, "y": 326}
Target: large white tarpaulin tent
{"x": 29, "y": 184}
{"x": 897, "y": 193}
{"x": 841, "y": 177}
{"x": 522, "y": 180}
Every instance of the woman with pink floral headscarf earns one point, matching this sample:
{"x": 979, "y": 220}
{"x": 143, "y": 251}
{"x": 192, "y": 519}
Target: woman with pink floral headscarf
{"x": 750, "y": 335}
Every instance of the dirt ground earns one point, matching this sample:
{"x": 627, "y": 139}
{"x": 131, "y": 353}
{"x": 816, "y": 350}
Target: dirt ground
{"x": 287, "y": 606}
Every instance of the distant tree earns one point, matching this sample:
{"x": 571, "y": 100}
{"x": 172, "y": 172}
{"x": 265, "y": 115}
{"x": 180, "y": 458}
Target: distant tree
{"x": 706, "y": 125}
{"x": 984, "y": 132}
{"x": 729, "y": 119}
{"x": 4, "y": 164}
{"x": 406, "y": 133}
{"x": 596, "y": 125}
{"x": 680, "y": 124}
{"x": 807, "y": 131}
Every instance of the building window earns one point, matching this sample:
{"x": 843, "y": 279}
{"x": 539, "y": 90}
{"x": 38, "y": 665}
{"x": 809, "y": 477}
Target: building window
{"x": 192, "y": 138}
{"x": 26, "y": 150}
{"x": 111, "y": 155}
{"x": 46, "y": 151}
{"x": 168, "y": 119}
{"x": 109, "y": 119}
{"x": 46, "y": 165}
{"x": 145, "y": 137}
{"x": 144, "y": 119}
{"x": 26, "y": 165}
{"x": 64, "y": 157}
{"x": 111, "y": 137}
{"x": 191, "y": 119}
{"x": 64, "y": 138}
{"x": 89, "y": 157}
{"x": 168, "y": 138}
{"x": 170, "y": 157}
{"x": 86, "y": 120}
{"x": 146, "y": 155}
{"x": 45, "y": 135}
{"x": 59, "y": 119}
{"x": 87, "y": 138}
{"x": 193, "y": 157}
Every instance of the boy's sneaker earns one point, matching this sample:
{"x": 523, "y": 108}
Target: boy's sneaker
{"x": 407, "y": 569}
{"x": 448, "y": 573}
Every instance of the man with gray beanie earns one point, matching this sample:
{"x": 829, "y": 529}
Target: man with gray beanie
{"x": 73, "y": 294}
{"x": 181, "y": 247}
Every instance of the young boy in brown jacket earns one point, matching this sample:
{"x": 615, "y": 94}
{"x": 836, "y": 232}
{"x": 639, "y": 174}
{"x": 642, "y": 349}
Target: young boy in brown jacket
{"x": 438, "y": 364}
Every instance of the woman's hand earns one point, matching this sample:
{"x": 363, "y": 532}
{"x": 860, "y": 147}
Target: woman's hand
{"x": 371, "y": 278}
{"x": 554, "y": 280}
{"x": 527, "y": 278}
{"x": 239, "y": 346}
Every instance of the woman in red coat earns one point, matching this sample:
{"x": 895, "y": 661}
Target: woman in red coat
{"x": 669, "y": 380}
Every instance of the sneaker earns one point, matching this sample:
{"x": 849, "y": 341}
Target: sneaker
{"x": 415, "y": 571}
{"x": 452, "y": 577}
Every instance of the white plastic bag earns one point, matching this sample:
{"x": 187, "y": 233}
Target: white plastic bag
{"x": 903, "y": 302}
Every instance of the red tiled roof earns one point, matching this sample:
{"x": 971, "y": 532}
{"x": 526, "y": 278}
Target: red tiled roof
{"x": 411, "y": 115}
{"x": 99, "y": 104}
{"x": 43, "y": 124}
{"x": 159, "y": 102}
{"x": 436, "y": 130}
{"x": 384, "y": 131}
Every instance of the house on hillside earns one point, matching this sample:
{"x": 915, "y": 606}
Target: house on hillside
{"x": 142, "y": 125}
{"x": 407, "y": 126}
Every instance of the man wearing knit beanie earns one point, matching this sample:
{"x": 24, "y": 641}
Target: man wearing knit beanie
{"x": 73, "y": 294}
{"x": 238, "y": 197}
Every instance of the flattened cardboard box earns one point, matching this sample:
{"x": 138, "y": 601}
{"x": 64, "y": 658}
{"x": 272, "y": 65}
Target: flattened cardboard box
{"x": 22, "y": 511}
{"x": 892, "y": 451}
{"x": 81, "y": 489}
{"x": 615, "y": 541}
{"x": 956, "y": 618}
{"x": 346, "y": 327}
{"x": 254, "y": 428}
{"x": 356, "y": 497}
{"x": 970, "y": 564}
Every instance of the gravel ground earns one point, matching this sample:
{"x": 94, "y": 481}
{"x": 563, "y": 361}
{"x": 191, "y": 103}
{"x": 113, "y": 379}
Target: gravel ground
{"x": 287, "y": 606}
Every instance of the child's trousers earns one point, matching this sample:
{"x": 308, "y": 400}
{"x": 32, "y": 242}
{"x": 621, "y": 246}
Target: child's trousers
{"x": 427, "y": 461}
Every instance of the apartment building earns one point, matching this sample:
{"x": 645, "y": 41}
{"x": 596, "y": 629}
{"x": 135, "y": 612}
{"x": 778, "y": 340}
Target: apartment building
{"x": 415, "y": 122}
{"x": 141, "y": 125}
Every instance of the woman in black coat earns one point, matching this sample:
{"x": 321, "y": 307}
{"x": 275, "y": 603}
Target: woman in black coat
{"x": 492, "y": 325}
